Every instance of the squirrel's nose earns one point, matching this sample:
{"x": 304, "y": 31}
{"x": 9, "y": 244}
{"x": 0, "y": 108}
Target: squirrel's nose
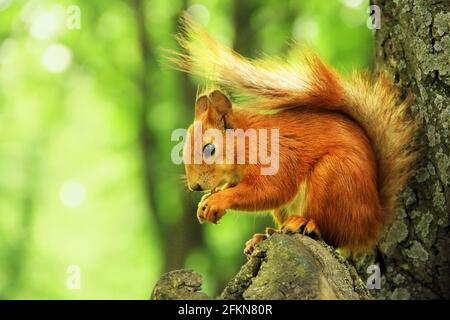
{"x": 196, "y": 187}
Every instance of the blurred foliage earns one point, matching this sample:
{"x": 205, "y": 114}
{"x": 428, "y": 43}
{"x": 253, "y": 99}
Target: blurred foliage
{"x": 85, "y": 112}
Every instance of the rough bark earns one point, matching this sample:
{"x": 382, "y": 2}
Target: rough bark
{"x": 414, "y": 45}
{"x": 282, "y": 267}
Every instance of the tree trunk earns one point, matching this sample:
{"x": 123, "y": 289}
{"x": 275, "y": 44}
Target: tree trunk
{"x": 413, "y": 44}
{"x": 184, "y": 235}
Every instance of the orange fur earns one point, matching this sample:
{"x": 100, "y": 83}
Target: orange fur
{"x": 343, "y": 143}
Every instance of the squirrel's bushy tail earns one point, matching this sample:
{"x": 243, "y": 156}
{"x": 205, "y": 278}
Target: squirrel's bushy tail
{"x": 305, "y": 81}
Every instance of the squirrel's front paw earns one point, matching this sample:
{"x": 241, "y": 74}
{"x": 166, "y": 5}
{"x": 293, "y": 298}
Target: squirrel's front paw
{"x": 211, "y": 209}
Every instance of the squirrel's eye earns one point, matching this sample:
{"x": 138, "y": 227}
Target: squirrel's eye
{"x": 208, "y": 150}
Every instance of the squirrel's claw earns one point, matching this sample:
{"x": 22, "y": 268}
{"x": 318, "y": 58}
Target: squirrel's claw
{"x": 210, "y": 209}
{"x": 204, "y": 197}
{"x": 257, "y": 238}
{"x": 250, "y": 244}
{"x": 299, "y": 224}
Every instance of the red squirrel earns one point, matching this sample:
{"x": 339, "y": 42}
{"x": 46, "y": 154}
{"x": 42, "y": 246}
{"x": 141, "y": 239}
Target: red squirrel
{"x": 343, "y": 143}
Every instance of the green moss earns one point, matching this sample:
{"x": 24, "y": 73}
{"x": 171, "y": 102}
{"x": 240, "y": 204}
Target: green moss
{"x": 400, "y": 294}
{"x": 399, "y": 279}
{"x": 422, "y": 227}
{"x": 416, "y": 252}
{"x": 441, "y": 24}
{"x": 438, "y": 198}
{"x": 432, "y": 136}
{"x": 397, "y": 233}
{"x": 409, "y": 197}
{"x": 431, "y": 169}
{"x": 439, "y": 101}
{"x": 422, "y": 175}
{"x": 443, "y": 164}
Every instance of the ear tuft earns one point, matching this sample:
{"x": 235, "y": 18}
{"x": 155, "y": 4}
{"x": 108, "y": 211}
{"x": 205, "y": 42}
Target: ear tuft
{"x": 201, "y": 105}
{"x": 220, "y": 102}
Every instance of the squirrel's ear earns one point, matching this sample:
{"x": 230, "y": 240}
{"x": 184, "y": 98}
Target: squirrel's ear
{"x": 201, "y": 105}
{"x": 220, "y": 102}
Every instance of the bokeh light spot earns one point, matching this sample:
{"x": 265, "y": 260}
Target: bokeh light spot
{"x": 352, "y": 3}
{"x": 72, "y": 193}
{"x": 57, "y": 58}
{"x": 305, "y": 29}
{"x": 44, "y": 25}
{"x": 200, "y": 13}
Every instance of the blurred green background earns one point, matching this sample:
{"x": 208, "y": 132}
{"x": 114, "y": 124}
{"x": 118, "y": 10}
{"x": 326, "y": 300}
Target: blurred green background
{"x": 91, "y": 205}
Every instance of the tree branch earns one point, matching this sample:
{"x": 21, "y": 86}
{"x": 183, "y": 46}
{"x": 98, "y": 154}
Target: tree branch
{"x": 281, "y": 267}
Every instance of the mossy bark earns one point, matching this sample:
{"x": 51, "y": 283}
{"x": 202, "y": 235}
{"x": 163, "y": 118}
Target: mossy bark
{"x": 413, "y": 43}
{"x": 281, "y": 267}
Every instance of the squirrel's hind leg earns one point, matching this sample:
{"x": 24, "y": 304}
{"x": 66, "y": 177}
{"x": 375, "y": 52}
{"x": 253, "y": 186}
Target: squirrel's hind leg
{"x": 300, "y": 224}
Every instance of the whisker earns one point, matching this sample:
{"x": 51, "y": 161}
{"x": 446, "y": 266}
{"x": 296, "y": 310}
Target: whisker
{"x": 183, "y": 180}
